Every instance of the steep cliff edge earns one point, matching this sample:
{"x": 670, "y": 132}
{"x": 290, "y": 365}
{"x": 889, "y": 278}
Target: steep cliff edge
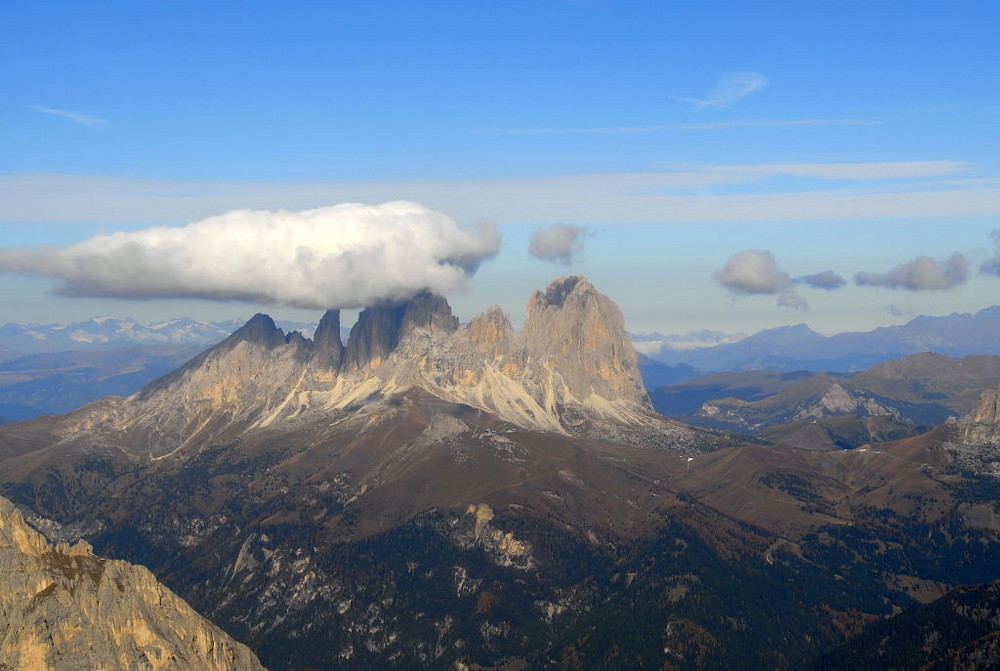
{"x": 982, "y": 425}
{"x": 62, "y": 607}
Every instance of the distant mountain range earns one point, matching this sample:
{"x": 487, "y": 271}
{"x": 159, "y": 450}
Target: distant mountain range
{"x": 110, "y": 356}
{"x": 790, "y": 348}
{"x": 53, "y": 368}
{"x": 103, "y": 333}
{"x": 54, "y": 382}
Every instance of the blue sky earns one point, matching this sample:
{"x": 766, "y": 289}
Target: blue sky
{"x": 851, "y": 136}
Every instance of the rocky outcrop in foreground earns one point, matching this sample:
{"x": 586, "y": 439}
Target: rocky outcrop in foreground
{"x": 63, "y": 608}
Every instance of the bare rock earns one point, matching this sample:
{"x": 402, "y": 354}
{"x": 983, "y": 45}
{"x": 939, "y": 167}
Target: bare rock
{"x": 62, "y": 608}
{"x": 982, "y": 425}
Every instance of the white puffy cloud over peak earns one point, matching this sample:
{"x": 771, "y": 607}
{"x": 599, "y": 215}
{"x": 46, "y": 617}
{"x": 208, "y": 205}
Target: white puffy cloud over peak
{"x": 340, "y": 256}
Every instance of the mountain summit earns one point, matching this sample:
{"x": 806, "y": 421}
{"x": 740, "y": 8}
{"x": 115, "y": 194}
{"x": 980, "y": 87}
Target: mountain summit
{"x": 571, "y": 370}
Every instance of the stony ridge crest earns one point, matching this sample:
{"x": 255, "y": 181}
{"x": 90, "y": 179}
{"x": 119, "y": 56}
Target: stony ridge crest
{"x": 570, "y": 367}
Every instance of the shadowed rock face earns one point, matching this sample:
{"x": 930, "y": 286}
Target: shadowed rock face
{"x": 381, "y": 328}
{"x": 328, "y": 349}
{"x": 982, "y": 425}
{"x": 62, "y": 607}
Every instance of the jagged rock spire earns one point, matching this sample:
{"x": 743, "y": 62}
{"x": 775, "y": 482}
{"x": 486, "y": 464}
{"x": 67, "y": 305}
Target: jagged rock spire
{"x": 572, "y": 358}
{"x": 328, "y": 348}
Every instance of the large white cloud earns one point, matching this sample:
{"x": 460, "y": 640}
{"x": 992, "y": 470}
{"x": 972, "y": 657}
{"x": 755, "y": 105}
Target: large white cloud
{"x": 559, "y": 243}
{"x": 346, "y": 255}
{"x": 919, "y": 274}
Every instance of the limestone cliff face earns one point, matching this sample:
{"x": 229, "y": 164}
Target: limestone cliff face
{"x": 572, "y": 358}
{"x": 572, "y": 364}
{"x": 63, "y": 608}
{"x": 576, "y": 335}
{"x": 380, "y": 329}
{"x": 328, "y": 350}
{"x": 982, "y": 425}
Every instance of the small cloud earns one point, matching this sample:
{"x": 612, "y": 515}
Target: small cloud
{"x": 754, "y": 271}
{"x": 82, "y": 119}
{"x": 921, "y": 274}
{"x": 664, "y": 127}
{"x": 897, "y": 311}
{"x": 648, "y": 347}
{"x": 826, "y": 280}
{"x": 992, "y": 266}
{"x": 792, "y": 299}
{"x": 559, "y": 243}
{"x": 731, "y": 88}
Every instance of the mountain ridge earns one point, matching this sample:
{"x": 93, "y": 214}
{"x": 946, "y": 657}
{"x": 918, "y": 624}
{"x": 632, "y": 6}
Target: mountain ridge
{"x": 799, "y": 347}
{"x": 572, "y": 365}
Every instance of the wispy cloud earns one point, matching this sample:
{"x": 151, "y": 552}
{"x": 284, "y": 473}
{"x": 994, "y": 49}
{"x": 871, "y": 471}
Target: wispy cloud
{"x": 659, "y": 128}
{"x": 877, "y": 170}
{"x": 731, "y": 88}
{"x": 78, "y": 117}
{"x": 593, "y": 199}
{"x": 826, "y": 280}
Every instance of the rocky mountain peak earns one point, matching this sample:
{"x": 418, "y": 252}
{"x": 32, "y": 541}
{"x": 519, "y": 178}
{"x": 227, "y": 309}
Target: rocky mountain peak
{"x": 560, "y": 289}
{"x": 491, "y": 332}
{"x": 577, "y": 333}
{"x": 328, "y": 350}
{"x": 381, "y": 328}
{"x": 62, "y": 608}
{"x": 259, "y": 330}
{"x": 572, "y": 359}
